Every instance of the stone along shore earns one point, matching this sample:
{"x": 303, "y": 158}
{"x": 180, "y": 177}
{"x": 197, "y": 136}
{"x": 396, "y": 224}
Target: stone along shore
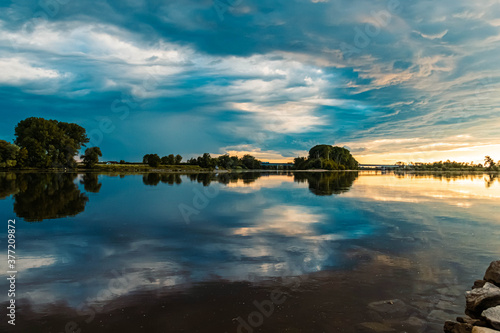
{"x": 482, "y": 305}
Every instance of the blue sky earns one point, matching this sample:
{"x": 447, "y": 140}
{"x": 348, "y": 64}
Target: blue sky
{"x": 391, "y": 79}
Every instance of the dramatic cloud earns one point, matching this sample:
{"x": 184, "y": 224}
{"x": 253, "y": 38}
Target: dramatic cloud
{"x": 392, "y": 80}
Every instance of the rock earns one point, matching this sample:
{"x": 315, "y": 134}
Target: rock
{"x": 453, "y": 327}
{"x": 493, "y": 273}
{"x": 480, "y": 299}
{"x": 492, "y": 315}
{"x": 473, "y": 322}
{"x": 478, "y": 284}
{"x": 370, "y": 327}
{"x": 478, "y": 329}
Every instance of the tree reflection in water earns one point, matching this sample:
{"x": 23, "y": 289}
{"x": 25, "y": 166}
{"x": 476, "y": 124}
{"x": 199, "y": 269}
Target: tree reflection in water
{"x": 91, "y": 183}
{"x": 320, "y": 183}
{"x": 328, "y": 183}
{"x": 41, "y": 196}
{"x": 153, "y": 179}
{"x": 48, "y": 196}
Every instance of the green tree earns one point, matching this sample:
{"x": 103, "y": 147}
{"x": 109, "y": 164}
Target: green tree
{"x": 91, "y": 157}
{"x": 22, "y": 157}
{"x": 9, "y": 154}
{"x": 178, "y": 159}
{"x": 50, "y": 143}
{"x": 300, "y": 163}
{"x": 341, "y": 156}
{"x": 224, "y": 161}
{"x": 152, "y": 160}
{"x": 206, "y": 161}
{"x": 250, "y": 162}
{"x": 168, "y": 160}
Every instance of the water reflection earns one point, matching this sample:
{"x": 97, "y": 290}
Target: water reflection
{"x": 226, "y": 178}
{"x": 361, "y": 237}
{"x": 91, "y": 182}
{"x": 8, "y": 185}
{"x": 43, "y": 196}
{"x": 40, "y": 196}
{"x": 153, "y": 179}
{"x": 489, "y": 179}
{"x": 328, "y": 183}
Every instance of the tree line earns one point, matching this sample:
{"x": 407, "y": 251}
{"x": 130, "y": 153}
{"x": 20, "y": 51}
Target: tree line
{"x": 154, "y": 160}
{"x": 489, "y": 165}
{"x": 206, "y": 161}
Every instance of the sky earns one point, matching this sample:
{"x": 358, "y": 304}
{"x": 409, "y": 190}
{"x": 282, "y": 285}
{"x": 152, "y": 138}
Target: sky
{"x": 391, "y": 80}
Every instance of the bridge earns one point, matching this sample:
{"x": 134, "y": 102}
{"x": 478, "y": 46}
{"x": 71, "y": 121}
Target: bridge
{"x": 379, "y": 166}
{"x": 361, "y": 166}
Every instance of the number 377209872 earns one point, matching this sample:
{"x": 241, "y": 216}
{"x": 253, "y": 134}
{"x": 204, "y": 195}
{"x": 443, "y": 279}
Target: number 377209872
{"x": 11, "y": 247}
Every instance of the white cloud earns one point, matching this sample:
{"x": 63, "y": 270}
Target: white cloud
{"x": 438, "y": 35}
{"x": 19, "y": 71}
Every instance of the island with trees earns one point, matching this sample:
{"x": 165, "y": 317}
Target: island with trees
{"x": 327, "y": 157}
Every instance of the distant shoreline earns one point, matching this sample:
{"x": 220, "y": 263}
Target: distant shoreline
{"x": 147, "y": 169}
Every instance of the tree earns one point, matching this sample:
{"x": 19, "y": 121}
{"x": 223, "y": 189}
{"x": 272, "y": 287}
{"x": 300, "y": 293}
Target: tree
{"x": 8, "y": 154}
{"x": 22, "y": 157}
{"x": 50, "y": 143}
{"x": 489, "y": 163}
{"x": 206, "y": 161}
{"x": 341, "y": 156}
{"x": 224, "y": 161}
{"x": 152, "y": 160}
{"x": 91, "y": 157}
{"x": 170, "y": 159}
{"x": 300, "y": 163}
{"x": 178, "y": 159}
{"x": 250, "y": 162}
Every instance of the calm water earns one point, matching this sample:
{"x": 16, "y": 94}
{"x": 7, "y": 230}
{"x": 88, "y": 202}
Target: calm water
{"x": 210, "y": 253}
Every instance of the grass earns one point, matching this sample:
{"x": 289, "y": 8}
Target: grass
{"x": 139, "y": 167}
